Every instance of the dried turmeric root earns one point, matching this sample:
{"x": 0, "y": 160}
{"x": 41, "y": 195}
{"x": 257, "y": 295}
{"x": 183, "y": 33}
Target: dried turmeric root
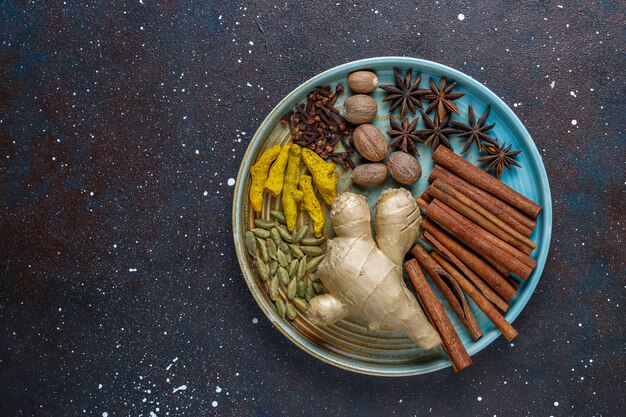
{"x": 311, "y": 205}
{"x": 291, "y": 195}
{"x": 259, "y": 172}
{"x": 323, "y": 174}
{"x": 276, "y": 177}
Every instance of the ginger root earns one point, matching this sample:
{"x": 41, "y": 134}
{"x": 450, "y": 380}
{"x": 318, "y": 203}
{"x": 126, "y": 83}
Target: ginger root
{"x": 291, "y": 195}
{"x": 323, "y": 174}
{"x": 276, "y": 177}
{"x": 311, "y": 205}
{"x": 259, "y": 172}
{"x": 364, "y": 277}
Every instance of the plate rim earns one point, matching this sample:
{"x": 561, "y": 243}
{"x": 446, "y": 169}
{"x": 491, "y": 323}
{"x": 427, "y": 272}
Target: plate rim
{"x": 362, "y": 367}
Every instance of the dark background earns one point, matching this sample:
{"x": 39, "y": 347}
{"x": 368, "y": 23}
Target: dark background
{"x": 120, "y": 128}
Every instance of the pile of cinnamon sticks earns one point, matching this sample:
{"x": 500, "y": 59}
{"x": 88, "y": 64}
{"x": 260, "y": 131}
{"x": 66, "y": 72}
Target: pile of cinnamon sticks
{"x": 479, "y": 230}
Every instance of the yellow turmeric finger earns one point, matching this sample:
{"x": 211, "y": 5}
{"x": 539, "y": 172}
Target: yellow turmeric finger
{"x": 323, "y": 174}
{"x": 311, "y": 205}
{"x": 291, "y": 194}
{"x": 276, "y": 177}
{"x": 259, "y": 172}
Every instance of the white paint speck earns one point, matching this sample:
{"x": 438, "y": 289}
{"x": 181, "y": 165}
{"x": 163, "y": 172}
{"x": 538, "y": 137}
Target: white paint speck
{"x": 573, "y": 94}
{"x": 214, "y": 404}
{"x": 255, "y": 320}
{"x": 205, "y": 193}
{"x": 461, "y": 16}
{"x": 574, "y": 122}
{"x": 480, "y": 398}
{"x": 230, "y": 182}
{"x": 152, "y": 414}
{"x": 552, "y": 84}
{"x": 105, "y": 414}
{"x": 181, "y": 388}
{"x": 132, "y": 269}
{"x": 218, "y": 389}
{"x": 197, "y": 152}
{"x": 99, "y": 386}
{"x": 556, "y": 403}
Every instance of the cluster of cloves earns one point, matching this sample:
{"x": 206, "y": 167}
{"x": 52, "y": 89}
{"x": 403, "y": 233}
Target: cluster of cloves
{"x": 319, "y": 126}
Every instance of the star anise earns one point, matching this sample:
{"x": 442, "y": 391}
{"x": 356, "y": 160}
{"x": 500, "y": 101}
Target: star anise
{"x": 436, "y": 132}
{"x": 500, "y": 157}
{"x": 403, "y": 136}
{"x": 475, "y": 131}
{"x": 404, "y": 94}
{"x": 441, "y": 98}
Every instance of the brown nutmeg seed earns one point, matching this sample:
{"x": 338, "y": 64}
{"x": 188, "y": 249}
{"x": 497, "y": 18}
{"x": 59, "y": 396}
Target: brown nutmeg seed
{"x": 404, "y": 168}
{"x": 369, "y": 174}
{"x": 359, "y": 109}
{"x": 362, "y": 81}
{"x": 370, "y": 142}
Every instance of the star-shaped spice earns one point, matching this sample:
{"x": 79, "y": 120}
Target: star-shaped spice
{"x": 404, "y": 94}
{"x": 403, "y": 136}
{"x": 436, "y": 132}
{"x": 475, "y": 131}
{"x": 441, "y": 98}
{"x": 500, "y": 157}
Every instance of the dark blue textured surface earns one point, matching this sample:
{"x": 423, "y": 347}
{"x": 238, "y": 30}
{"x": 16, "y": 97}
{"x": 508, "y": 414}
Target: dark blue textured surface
{"x": 120, "y": 127}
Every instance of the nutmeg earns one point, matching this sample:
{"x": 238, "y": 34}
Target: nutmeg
{"x": 359, "y": 109}
{"x": 370, "y": 142}
{"x": 369, "y": 174}
{"x": 404, "y": 168}
{"x": 362, "y": 81}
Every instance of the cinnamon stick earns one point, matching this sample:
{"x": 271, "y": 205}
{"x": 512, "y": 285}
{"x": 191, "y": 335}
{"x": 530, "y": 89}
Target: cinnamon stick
{"x": 485, "y": 289}
{"x": 422, "y": 203}
{"x": 439, "y": 189}
{"x": 481, "y": 179}
{"x": 449, "y": 339}
{"x": 492, "y": 277}
{"x": 476, "y": 238}
{"x": 456, "y": 299}
{"x": 524, "y": 258}
{"x": 496, "y": 318}
{"x": 510, "y": 215}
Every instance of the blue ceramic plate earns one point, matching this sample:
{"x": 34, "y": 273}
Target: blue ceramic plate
{"x": 349, "y": 344}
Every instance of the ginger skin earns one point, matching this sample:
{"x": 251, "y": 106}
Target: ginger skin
{"x": 363, "y": 277}
{"x": 291, "y": 195}
{"x": 311, "y": 205}
{"x": 276, "y": 177}
{"x": 323, "y": 174}
{"x": 259, "y": 172}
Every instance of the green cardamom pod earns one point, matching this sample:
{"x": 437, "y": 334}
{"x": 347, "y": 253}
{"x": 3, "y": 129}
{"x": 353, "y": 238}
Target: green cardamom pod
{"x": 281, "y": 258}
{"x": 283, "y": 276}
{"x": 292, "y": 288}
{"x": 262, "y": 233}
{"x": 289, "y": 256}
{"x": 293, "y": 268}
{"x": 264, "y": 224}
{"x": 274, "y": 289}
{"x": 295, "y": 251}
{"x": 292, "y": 313}
{"x": 312, "y": 241}
{"x": 264, "y": 270}
{"x": 302, "y": 268}
{"x": 313, "y": 263}
{"x": 319, "y": 288}
{"x": 280, "y": 308}
{"x": 315, "y": 276}
{"x": 260, "y": 243}
{"x": 301, "y": 304}
{"x": 271, "y": 248}
{"x": 250, "y": 242}
{"x": 310, "y": 291}
{"x": 284, "y": 233}
{"x": 300, "y": 233}
{"x": 279, "y": 216}
{"x": 273, "y": 267}
{"x": 275, "y": 236}
{"x": 301, "y": 289}
{"x": 284, "y": 247}
{"x": 312, "y": 250}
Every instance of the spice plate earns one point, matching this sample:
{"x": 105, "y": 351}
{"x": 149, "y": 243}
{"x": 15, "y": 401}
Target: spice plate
{"x": 349, "y": 344}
